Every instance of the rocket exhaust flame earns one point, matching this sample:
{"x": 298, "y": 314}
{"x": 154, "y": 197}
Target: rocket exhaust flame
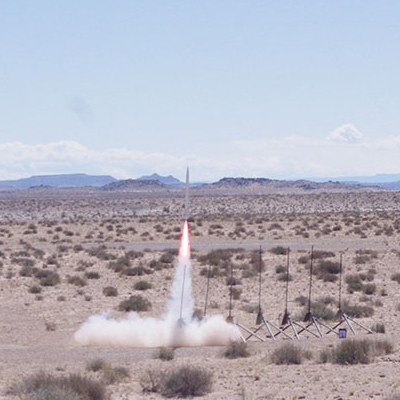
{"x": 184, "y": 250}
{"x": 176, "y": 327}
{"x": 184, "y": 253}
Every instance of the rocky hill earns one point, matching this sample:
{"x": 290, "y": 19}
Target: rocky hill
{"x": 167, "y": 180}
{"x": 134, "y": 184}
{"x": 272, "y": 185}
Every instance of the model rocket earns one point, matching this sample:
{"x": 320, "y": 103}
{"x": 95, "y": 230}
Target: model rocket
{"x": 184, "y": 251}
{"x": 186, "y": 211}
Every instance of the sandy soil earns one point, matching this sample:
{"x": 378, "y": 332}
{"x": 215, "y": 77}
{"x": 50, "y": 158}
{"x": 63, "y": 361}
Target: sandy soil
{"x": 64, "y": 234}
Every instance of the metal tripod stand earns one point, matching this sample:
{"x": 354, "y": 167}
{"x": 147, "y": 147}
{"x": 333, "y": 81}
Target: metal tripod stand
{"x": 260, "y": 320}
{"x": 309, "y": 318}
{"x": 343, "y": 317}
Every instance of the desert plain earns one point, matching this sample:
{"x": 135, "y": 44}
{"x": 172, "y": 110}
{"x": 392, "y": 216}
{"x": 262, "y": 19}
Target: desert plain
{"x": 60, "y": 249}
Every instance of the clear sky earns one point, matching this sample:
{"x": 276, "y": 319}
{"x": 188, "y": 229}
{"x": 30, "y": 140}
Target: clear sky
{"x": 283, "y": 89}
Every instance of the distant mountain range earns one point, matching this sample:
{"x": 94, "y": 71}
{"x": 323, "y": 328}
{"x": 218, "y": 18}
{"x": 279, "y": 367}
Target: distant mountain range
{"x": 155, "y": 181}
{"x": 386, "y": 181}
{"x": 253, "y": 184}
{"x": 167, "y": 180}
{"x": 378, "y": 178}
{"x": 134, "y": 184}
{"x": 63, "y": 180}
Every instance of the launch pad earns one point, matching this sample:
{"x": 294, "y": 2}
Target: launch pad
{"x": 310, "y": 324}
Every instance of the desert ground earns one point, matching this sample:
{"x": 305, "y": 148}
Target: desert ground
{"x": 60, "y": 249}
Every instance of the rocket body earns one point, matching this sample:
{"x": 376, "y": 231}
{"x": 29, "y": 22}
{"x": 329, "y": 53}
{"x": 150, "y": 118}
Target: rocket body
{"x": 184, "y": 261}
{"x": 186, "y": 211}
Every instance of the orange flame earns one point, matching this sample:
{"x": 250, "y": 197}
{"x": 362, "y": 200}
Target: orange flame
{"x": 185, "y": 242}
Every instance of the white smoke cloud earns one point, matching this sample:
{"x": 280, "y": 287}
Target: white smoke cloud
{"x": 176, "y": 328}
{"x": 135, "y": 331}
{"x": 346, "y": 133}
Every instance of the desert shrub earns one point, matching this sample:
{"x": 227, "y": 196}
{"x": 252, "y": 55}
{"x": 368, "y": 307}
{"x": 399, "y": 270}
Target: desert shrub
{"x": 62, "y": 248}
{"x": 287, "y": 354}
{"x": 325, "y": 355}
{"x": 142, "y": 285}
{"x": 301, "y": 300}
{"x": 42, "y": 386}
{"x": 236, "y": 293}
{"x": 95, "y": 365}
{"x": 92, "y": 275}
{"x": 354, "y": 283}
{"x": 35, "y": 289}
{"x": 214, "y": 272}
{"x": 110, "y": 291}
{"x": 280, "y": 269}
{"x": 135, "y": 303}
{"x": 165, "y": 353}
{"x": 151, "y": 381}
{"x": 77, "y": 281}
{"x": 279, "y": 250}
{"x": 357, "y": 311}
{"x": 371, "y": 254}
{"x": 48, "y": 278}
{"x": 136, "y": 271}
{"x": 396, "y": 277}
{"x": 303, "y": 259}
{"x": 236, "y": 350}
{"x": 360, "y": 352}
{"x": 120, "y": 264}
{"x": 327, "y": 270}
{"x": 250, "y": 308}
{"x": 50, "y": 326}
{"x": 77, "y": 248}
{"x": 318, "y": 254}
{"x": 101, "y": 253}
{"x": 216, "y": 257}
{"x": 368, "y": 276}
{"x": 85, "y": 387}
{"x": 283, "y": 277}
{"x": 233, "y": 281}
{"x": 320, "y": 310}
{"x": 26, "y": 271}
{"x": 133, "y": 255}
{"x": 114, "y": 374}
{"x": 275, "y": 226}
{"x": 24, "y": 262}
{"x": 369, "y": 288}
{"x": 327, "y": 300}
{"x": 352, "y": 352}
{"x": 167, "y": 257}
{"x": 255, "y": 261}
{"x": 248, "y": 273}
{"x": 361, "y": 259}
{"x": 378, "y": 328}
{"x": 156, "y": 265}
{"x": 381, "y": 347}
{"x": 52, "y": 261}
{"x": 187, "y": 381}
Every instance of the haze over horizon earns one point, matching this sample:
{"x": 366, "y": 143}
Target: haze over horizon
{"x": 282, "y": 90}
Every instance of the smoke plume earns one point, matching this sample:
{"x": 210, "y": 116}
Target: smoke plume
{"x": 176, "y": 328}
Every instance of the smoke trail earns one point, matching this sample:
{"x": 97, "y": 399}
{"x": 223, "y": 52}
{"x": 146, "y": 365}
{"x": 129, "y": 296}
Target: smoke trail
{"x": 176, "y": 328}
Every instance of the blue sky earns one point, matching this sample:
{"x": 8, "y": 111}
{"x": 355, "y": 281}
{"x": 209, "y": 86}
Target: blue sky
{"x": 282, "y": 89}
